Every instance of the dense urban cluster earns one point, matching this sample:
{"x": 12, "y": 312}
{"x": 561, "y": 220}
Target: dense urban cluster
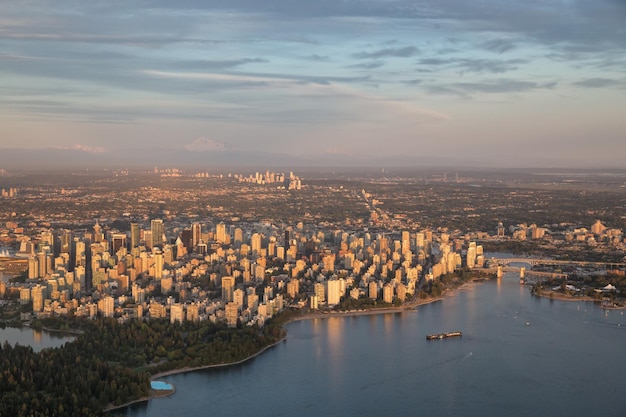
{"x": 198, "y": 265}
{"x": 241, "y": 274}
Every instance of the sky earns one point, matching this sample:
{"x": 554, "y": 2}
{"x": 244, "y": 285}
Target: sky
{"x": 495, "y": 82}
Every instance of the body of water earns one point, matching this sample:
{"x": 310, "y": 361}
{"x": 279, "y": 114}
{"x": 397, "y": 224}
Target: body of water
{"x": 518, "y": 356}
{"x": 38, "y": 339}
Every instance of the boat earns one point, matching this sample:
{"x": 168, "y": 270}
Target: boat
{"x": 437, "y": 336}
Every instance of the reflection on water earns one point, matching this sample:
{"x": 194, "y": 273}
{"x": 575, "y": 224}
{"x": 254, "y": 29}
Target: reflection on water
{"x": 37, "y": 339}
{"x": 383, "y": 365}
{"x": 336, "y": 351}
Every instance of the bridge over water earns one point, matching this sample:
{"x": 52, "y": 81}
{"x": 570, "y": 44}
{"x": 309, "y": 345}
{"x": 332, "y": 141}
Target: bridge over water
{"x": 555, "y": 262}
{"x": 528, "y": 272}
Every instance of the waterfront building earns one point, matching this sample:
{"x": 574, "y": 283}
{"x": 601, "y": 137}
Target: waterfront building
{"x": 401, "y": 292}
{"x": 319, "y": 292}
{"x": 355, "y": 293}
{"x": 471, "y": 255}
{"x": 373, "y": 289}
{"x": 314, "y": 302}
{"x": 388, "y": 293}
{"x": 334, "y": 292}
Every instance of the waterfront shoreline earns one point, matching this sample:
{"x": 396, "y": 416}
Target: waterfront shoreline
{"x": 218, "y": 365}
{"x": 163, "y": 374}
{"x": 553, "y": 295}
{"x": 409, "y": 306}
{"x": 72, "y": 332}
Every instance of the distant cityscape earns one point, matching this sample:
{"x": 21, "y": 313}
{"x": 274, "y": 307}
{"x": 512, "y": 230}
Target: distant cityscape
{"x": 185, "y": 267}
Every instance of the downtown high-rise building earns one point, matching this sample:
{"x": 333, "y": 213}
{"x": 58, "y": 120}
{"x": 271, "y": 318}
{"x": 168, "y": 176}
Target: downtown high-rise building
{"x": 186, "y": 239}
{"x": 158, "y": 231}
{"x": 118, "y": 241}
{"x": 196, "y": 234}
{"x": 158, "y": 264}
{"x": 255, "y": 243}
{"x": 135, "y": 235}
{"x": 220, "y": 233}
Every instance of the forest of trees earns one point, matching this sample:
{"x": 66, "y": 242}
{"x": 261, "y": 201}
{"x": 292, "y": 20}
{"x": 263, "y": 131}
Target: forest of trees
{"x": 111, "y": 363}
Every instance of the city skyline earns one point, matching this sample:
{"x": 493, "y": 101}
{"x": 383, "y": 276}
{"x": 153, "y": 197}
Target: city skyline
{"x": 493, "y": 83}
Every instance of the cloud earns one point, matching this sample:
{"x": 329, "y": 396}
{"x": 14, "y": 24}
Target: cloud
{"x": 404, "y": 52}
{"x": 203, "y": 144}
{"x": 474, "y": 65}
{"x": 600, "y": 83}
{"x": 368, "y": 65}
{"x": 217, "y": 64}
{"x": 316, "y": 57}
{"x": 499, "y": 46}
{"x": 489, "y": 87}
{"x": 220, "y": 65}
{"x": 249, "y": 77}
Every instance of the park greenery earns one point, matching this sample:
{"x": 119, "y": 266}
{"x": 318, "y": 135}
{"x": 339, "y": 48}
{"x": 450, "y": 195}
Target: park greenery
{"x": 589, "y": 285}
{"x": 110, "y": 364}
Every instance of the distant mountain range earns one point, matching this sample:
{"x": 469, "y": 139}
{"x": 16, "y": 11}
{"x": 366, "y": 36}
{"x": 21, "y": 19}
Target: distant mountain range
{"x": 55, "y": 158}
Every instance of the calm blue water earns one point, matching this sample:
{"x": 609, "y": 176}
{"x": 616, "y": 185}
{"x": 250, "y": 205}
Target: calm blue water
{"x": 38, "y": 339}
{"x": 519, "y": 356}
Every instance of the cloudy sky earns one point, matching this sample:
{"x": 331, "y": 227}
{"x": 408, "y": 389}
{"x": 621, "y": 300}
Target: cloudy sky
{"x": 519, "y": 82}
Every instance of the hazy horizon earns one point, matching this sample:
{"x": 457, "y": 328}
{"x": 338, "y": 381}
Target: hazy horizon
{"x": 495, "y": 84}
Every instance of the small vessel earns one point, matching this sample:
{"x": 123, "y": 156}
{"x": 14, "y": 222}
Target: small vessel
{"x": 437, "y": 336}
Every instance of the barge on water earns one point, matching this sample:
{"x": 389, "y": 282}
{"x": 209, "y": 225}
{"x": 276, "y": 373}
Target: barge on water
{"x": 443, "y": 335}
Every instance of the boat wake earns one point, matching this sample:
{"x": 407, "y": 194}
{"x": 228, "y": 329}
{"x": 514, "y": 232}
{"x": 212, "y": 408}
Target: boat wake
{"x": 456, "y": 359}
{"x": 469, "y": 355}
{"x": 605, "y": 324}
